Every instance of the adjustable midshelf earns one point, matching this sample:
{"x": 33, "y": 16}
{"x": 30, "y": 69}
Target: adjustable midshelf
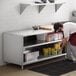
{"x": 39, "y": 43}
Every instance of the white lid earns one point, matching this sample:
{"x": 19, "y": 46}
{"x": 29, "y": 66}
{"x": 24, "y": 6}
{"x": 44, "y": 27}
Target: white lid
{"x": 26, "y": 51}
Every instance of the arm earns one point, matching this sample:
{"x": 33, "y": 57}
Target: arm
{"x": 64, "y": 42}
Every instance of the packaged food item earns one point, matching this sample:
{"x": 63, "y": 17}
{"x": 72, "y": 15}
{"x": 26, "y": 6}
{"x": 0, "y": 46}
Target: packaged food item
{"x": 58, "y": 36}
{"x": 49, "y": 51}
{"x": 49, "y": 37}
{"x": 57, "y": 46}
{"x": 54, "y": 51}
{"x": 59, "y": 51}
{"x": 45, "y": 51}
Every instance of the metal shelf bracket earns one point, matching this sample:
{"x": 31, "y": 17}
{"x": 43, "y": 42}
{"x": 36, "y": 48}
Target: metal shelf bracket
{"x": 22, "y": 7}
{"x": 57, "y": 6}
{"x": 40, "y": 7}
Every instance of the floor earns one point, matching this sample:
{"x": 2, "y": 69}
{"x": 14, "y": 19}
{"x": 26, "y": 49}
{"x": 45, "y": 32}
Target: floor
{"x": 15, "y": 70}
{"x": 57, "y": 68}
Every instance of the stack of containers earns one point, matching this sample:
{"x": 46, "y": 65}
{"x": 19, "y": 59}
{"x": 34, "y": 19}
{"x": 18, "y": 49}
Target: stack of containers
{"x": 56, "y": 49}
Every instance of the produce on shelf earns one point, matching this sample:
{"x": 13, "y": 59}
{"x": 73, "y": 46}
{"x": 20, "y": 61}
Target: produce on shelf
{"x": 54, "y": 51}
{"x": 45, "y": 51}
{"x": 58, "y": 48}
{"x": 49, "y": 51}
